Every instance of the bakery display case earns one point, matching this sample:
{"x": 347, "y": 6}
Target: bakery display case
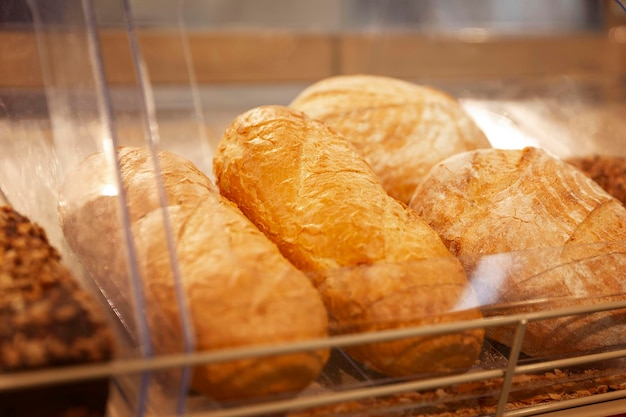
{"x": 218, "y": 177}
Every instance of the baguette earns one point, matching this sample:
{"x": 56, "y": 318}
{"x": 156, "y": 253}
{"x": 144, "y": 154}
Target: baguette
{"x": 533, "y": 233}
{"x": 240, "y": 290}
{"x": 375, "y": 263}
{"x": 402, "y": 129}
{"x": 47, "y": 320}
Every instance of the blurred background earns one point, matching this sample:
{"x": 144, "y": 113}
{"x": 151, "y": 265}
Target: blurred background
{"x": 301, "y": 40}
{"x": 508, "y": 16}
{"x": 510, "y": 62}
{"x": 502, "y": 16}
{"x": 209, "y": 60}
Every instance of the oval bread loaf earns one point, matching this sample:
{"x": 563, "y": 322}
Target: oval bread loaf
{"x": 401, "y": 128}
{"x": 533, "y": 233}
{"x": 240, "y": 290}
{"x": 375, "y": 263}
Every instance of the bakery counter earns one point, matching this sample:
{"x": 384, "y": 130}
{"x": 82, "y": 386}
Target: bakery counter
{"x": 251, "y": 217}
{"x": 566, "y": 116}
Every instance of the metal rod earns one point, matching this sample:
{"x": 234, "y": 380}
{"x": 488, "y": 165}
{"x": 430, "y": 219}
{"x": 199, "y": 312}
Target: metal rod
{"x": 566, "y": 404}
{"x": 339, "y": 397}
{"x": 511, "y": 366}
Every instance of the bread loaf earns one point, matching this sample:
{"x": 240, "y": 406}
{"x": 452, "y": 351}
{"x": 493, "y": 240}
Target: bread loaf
{"x": 46, "y": 320}
{"x": 401, "y": 128}
{"x": 240, "y": 290}
{"x": 533, "y": 232}
{"x": 375, "y": 263}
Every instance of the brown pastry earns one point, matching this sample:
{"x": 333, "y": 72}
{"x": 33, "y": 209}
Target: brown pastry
{"x": 240, "y": 291}
{"x": 375, "y": 263}
{"x": 607, "y": 170}
{"x": 402, "y": 129}
{"x": 533, "y": 233}
{"x": 46, "y": 320}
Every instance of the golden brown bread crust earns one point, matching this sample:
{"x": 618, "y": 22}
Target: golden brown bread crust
{"x": 89, "y": 198}
{"x": 375, "y": 263}
{"x": 529, "y": 227}
{"x": 240, "y": 290}
{"x": 608, "y": 171}
{"x": 401, "y": 129}
{"x": 46, "y": 320}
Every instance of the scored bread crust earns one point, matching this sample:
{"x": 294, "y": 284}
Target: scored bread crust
{"x": 609, "y": 171}
{"x": 375, "y": 263}
{"x": 240, "y": 291}
{"x": 533, "y": 232}
{"x": 401, "y": 128}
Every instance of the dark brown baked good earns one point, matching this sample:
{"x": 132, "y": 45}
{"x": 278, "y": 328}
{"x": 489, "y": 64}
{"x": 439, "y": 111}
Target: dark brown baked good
{"x": 46, "y": 320}
{"x": 607, "y": 170}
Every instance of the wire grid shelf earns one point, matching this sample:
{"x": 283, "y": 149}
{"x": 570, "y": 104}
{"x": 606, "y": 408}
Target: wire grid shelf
{"x": 124, "y": 367}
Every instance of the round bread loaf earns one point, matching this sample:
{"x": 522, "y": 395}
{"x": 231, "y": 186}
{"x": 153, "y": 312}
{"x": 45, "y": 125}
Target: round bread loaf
{"x": 533, "y": 232}
{"x": 401, "y": 129}
{"x": 375, "y": 263}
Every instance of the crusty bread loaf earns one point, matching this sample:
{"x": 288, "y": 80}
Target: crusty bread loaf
{"x": 375, "y": 263}
{"x": 533, "y": 232}
{"x": 240, "y": 290}
{"x": 401, "y": 128}
{"x": 47, "y": 320}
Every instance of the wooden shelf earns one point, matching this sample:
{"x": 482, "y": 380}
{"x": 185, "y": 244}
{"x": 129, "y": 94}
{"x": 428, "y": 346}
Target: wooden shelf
{"x": 284, "y": 56}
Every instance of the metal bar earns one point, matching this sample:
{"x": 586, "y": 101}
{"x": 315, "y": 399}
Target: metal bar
{"x": 570, "y": 362}
{"x": 566, "y": 404}
{"x": 511, "y": 366}
{"x": 130, "y": 366}
{"x": 339, "y": 397}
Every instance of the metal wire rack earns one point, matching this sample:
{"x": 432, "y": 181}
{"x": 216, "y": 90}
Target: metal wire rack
{"x": 124, "y": 367}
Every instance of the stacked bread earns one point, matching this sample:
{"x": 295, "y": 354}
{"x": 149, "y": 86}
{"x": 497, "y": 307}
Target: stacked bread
{"x": 400, "y": 128}
{"x": 310, "y": 222}
{"x": 530, "y": 230}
